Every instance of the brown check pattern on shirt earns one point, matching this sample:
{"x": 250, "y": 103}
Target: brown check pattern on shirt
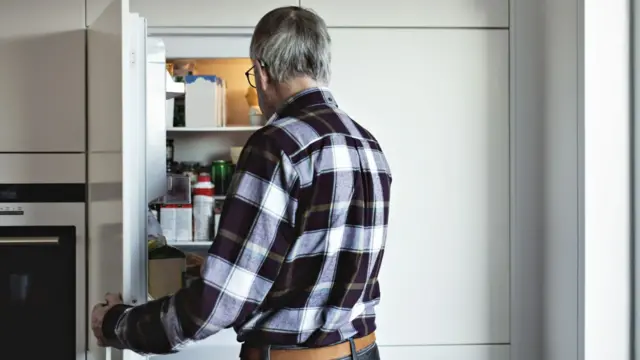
{"x": 300, "y": 242}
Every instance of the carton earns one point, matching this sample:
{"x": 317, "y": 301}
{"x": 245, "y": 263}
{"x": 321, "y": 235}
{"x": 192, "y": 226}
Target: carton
{"x": 167, "y": 271}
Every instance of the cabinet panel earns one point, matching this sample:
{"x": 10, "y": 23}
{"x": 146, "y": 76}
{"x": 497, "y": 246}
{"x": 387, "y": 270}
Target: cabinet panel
{"x": 105, "y": 174}
{"x": 460, "y": 352}
{"x": 437, "y": 100}
{"x": 412, "y": 13}
{"x": 453, "y": 352}
{"x": 222, "y": 13}
{"x": 42, "y": 67}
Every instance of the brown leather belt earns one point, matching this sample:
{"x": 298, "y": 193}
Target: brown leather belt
{"x": 322, "y": 353}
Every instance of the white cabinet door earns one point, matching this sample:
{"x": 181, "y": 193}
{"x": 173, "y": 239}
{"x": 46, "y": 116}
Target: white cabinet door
{"x": 220, "y": 13}
{"x": 42, "y": 76}
{"x": 453, "y": 352}
{"x": 412, "y": 13}
{"x": 117, "y": 196}
{"x": 437, "y": 100}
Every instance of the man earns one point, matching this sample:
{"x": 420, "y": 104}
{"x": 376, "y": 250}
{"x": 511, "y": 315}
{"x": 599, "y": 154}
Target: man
{"x": 294, "y": 266}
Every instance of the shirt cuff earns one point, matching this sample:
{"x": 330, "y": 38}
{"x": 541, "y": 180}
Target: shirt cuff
{"x": 110, "y": 321}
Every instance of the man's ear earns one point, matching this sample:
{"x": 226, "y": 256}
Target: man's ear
{"x": 261, "y": 72}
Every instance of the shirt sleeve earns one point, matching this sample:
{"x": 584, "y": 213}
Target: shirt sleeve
{"x": 254, "y": 235}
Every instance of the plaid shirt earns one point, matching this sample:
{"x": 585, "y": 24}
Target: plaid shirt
{"x": 299, "y": 246}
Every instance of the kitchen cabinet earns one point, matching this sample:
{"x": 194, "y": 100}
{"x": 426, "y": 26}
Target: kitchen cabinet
{"x": 198, "y": 13}
{"x": 412, "y": 13}
{"x": 42, "y": 72}
{"x": 205, "y": 13}
{"x": 437, "y": 100}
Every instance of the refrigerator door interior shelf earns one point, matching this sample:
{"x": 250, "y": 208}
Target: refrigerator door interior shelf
{"x": 140, "y": 151}
{"x": 155, "y": 117}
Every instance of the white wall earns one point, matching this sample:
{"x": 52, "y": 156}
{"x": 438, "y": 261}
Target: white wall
{"x": 571, "y": 118}
{"x": 607, "y": 316}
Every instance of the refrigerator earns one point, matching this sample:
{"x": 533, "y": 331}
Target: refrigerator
{"x": 126, "y": 156}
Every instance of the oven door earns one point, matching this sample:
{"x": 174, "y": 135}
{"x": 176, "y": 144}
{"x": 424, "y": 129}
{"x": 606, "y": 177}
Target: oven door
{"x": 38, "y": 291}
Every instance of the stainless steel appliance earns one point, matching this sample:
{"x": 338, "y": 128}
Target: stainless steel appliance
{"x": 42, "y": 255}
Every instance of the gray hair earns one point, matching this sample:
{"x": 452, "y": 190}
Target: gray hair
{"x": 292, "y": 42}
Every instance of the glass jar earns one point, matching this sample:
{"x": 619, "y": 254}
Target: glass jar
{"x": 170, "y": 150}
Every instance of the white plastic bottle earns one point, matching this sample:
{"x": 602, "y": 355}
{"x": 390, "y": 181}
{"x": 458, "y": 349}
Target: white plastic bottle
{"x": 203, "y": 192}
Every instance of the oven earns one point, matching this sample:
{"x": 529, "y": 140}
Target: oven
{"x": 42, "y": 256}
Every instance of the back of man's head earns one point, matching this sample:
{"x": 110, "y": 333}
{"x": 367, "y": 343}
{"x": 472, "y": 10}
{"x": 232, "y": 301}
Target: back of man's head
{"x": 293, "y": 42}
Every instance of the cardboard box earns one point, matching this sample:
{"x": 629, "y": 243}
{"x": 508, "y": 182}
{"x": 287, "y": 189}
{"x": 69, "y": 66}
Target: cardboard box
{"x": 167, "y": 272}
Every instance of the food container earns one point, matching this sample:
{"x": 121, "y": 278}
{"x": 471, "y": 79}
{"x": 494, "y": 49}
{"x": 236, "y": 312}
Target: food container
{"x": 167, "y": 271}
{"x": 176, "y": 222}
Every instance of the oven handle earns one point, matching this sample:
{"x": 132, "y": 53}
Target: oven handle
{"x": 29, "y": 241}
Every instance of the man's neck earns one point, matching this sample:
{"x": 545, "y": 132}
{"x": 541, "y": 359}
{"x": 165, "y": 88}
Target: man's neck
{"x": 285, "y": 91}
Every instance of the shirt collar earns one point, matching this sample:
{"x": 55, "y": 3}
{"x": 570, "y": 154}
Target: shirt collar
{"x": 305, "y": 98}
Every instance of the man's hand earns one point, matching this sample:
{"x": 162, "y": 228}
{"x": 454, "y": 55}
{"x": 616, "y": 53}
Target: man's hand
{"x": 98, "y": 313}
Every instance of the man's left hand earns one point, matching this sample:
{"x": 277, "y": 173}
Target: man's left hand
{"x": 98, "y": 313}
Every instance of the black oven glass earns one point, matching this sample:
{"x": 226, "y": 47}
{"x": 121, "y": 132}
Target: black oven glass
{"x": 37, "y": 292}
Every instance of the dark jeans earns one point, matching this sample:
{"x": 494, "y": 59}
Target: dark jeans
{"x": 368, "y": 353}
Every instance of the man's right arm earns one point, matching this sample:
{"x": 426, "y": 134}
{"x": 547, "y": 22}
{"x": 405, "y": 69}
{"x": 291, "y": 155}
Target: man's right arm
{"x": 244, "y": 260}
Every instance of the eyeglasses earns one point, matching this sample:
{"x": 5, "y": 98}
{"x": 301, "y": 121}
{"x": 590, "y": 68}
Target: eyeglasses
{"x": 251, "y": 77}
{"x": 251, "y": 74}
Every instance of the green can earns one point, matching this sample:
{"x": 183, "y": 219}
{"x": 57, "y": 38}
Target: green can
{"x": 220, "y": 176}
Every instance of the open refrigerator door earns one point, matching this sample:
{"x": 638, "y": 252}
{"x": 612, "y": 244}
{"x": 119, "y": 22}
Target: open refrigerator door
{"x": 116, "y": 163}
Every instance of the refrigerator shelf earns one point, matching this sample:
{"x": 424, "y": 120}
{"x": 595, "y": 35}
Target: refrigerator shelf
{"x": 214, "y": 129}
